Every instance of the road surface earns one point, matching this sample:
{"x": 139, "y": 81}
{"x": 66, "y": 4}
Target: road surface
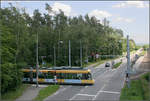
{"x": 108, "y": 84}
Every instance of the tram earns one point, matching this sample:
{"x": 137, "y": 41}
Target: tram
{"x": 59, "y": 75}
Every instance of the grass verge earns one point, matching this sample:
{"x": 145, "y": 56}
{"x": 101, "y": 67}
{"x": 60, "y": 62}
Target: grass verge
{"x": 142, "y": 53}
{"x": 98, "y": 62}
{"x": 45, "y": 92}
{"x": 117, "y": 64}
{"x": 13, "y": 95}
{"x": 139, "y": 89}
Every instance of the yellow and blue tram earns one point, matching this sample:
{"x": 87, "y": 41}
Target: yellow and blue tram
{"x": 63, "y": 76}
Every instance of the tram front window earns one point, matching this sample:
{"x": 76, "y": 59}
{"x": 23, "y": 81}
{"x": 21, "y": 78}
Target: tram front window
{"x": 89, "y": 76}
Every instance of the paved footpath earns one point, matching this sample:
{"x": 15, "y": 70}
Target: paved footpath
{"x": 30, "y": 93}
{"x": 145, "y": 65}
{"x": 142, "y": 65}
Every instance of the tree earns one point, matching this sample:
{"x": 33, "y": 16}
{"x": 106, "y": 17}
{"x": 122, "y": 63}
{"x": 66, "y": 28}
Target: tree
{"x": 19, "y": 31}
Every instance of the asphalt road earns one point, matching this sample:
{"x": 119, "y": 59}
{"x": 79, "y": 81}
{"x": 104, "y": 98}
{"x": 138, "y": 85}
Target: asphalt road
{"x": 108, "y": 84}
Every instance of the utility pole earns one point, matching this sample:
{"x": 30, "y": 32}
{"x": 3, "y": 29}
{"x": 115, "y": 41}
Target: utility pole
{"x": 80, "y": 53}
{"x": 69, "y": 55}
{"x": 128, "y": 63}
{"x": 37, "y": 62}
{"x": 54, "y": 56}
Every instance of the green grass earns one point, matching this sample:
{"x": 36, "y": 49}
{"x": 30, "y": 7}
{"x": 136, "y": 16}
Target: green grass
{"x": 133, "y": 51}
{"x": 13, "y": 95}
{"x": 117, "y": 64}
{"x": 45, "y": 92}
{"x": 139, "y": 89}
{"x": 142, "y": 53}
{"x": 98, "y": 62}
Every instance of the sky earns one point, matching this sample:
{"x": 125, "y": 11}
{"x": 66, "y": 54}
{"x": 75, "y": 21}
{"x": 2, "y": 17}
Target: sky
{"x": 130, "y": 16}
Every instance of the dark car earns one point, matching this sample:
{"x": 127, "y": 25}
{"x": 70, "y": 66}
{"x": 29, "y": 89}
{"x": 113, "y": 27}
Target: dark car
{"x": 107, "y": 64}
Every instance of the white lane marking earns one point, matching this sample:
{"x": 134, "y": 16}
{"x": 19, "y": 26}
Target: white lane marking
{"x": 56, "y": 93}
{"x": 78, "y": 93}
{"x": 86, "y": 86}
{"x": 73, "y": 97}
{"x": 98, "y": 92}
{"x": 85, "y": 94}
{"x": 109, "y": 92}
{"x": 61, "y": 90}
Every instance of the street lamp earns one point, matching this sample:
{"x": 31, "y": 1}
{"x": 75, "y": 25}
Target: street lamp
{"x": 37, "y": 62}
{"x": 128, "y": 63}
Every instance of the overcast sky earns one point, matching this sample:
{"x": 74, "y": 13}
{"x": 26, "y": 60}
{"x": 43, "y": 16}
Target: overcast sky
{"x": 130, "y": 16}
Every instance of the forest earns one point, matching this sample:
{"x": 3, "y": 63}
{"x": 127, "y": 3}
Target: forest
{"x": 20, "y": 31}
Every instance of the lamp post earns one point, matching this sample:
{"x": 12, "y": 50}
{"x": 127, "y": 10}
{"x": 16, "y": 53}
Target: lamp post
{"x": 80, "y": 53}
{"x": 37, "y": 62}
{"x": 54, "y": 56}
{"x": 128, "y": 63}
{"x": 69, "y": 55}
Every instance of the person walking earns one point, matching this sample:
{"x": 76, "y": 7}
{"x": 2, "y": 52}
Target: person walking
{"x": 97, "y": 56}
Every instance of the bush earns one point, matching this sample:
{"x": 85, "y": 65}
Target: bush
{"x": 11, "y": 77}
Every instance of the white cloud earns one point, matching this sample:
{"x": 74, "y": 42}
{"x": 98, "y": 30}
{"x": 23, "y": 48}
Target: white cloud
{"x": 147, "y": 5}
{"x": 99, "y": 14}
{"x": 138, "y": 4}
{"x": 122, "y": 19}
{"x": 60, "y": 6}
{"x": 121, "y": 5}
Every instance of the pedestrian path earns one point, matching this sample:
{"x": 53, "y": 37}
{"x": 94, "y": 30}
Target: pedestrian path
{"x": 30, "y": 93}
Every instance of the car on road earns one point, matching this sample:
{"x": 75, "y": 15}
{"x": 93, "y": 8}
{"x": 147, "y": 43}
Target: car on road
{"x": 107, "y": 64}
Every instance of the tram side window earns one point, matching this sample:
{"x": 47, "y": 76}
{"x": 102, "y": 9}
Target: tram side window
{"x": 34, "y": 75}
{"x": 62, "y": 76}
{"x": 79, "y": 76}
{"x": 69, "y": 75}
{"x": 59, "y": 75}
{"x": 83, "y": 76}
{"x": 74, "y": 76}
{"x": 65, "y": 76}
{"x": 41, "y": 75}
{"x": 26, "y": 74}
{"x": 50, "y": 75}
{"x": 46, "y": 75}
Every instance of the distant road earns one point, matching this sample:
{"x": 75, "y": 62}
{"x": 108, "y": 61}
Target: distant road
{"x": 108, "y": 85}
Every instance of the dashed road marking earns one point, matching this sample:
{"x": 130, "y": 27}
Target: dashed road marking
{"x": 61, "y": 90}
{"x": 109, "y": 92}
{"x": 73, "y": 97}
{"x": 77, "y": 94}
{"x": 85, "y": 95}
{"x": 98, "y": 92}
